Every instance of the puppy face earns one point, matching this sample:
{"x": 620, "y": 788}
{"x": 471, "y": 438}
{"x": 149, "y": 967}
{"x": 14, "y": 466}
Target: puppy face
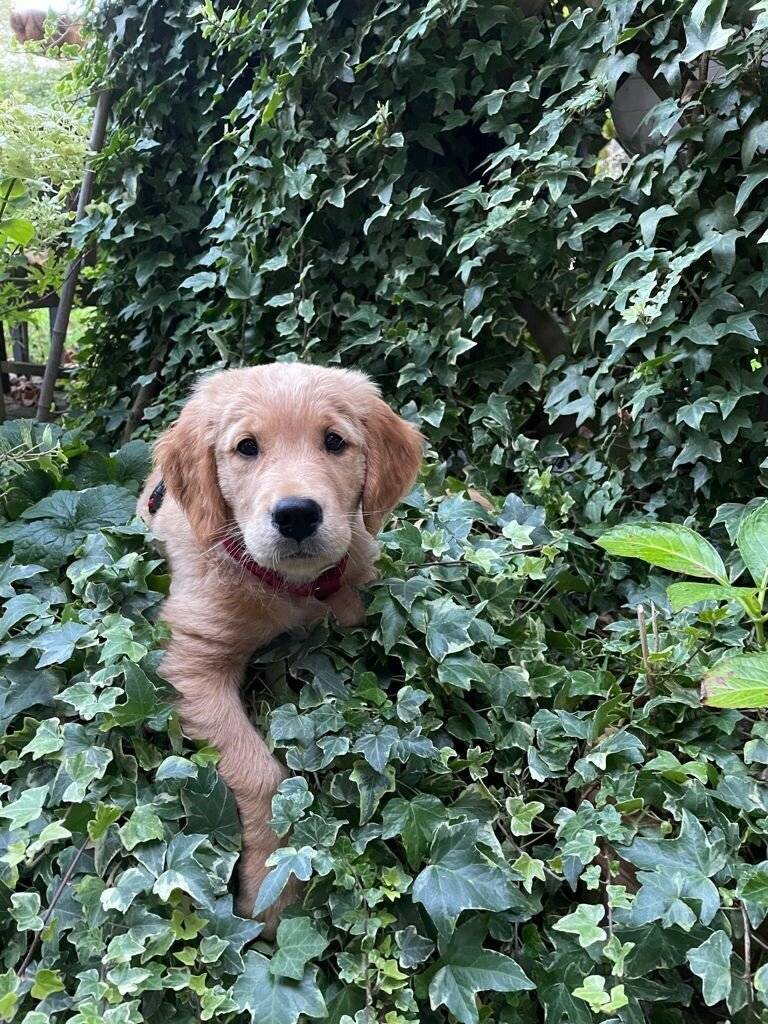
{"x": 291, "y": 459}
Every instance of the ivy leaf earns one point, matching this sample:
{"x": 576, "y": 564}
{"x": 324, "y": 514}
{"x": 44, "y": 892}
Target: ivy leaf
{"x": 704, "y": 30}
{"x": 273, "y": 1000}
{"x": 25, "y": 910}
{"x": 11, "y": 572}
{"x": 142, "y": 826}
{"x": 57, "y": 644}
{"x": 414, "y": 948}
{"x": 26, "y": 809}
{"x": 447, "y": 627}
{"x": 522, "y": 815}
{"x": 199, "y": 282}
{"x": 460, "y": 877}
{"x": 285, "y": 862}
{"x": 376, "y": 748}
{"x": 600, "y": 1001}
{"x": 465, "y": 969}
{"x": 753, "y": 884}
{"x": 47, "y": 740}
{"x": 297, "y": 942}
{"x": 584, "y": 923}
{"x": 414, "y": 822}
{"x": 184, "y": 871}
{"x": 711, "y": 961}
{"x": 211, "y": 808}
{"x": 289, "y": 803}
{"x": 223, "y": 924}
{"x": 693, "y": 854}
{"x": 141, "y": 696}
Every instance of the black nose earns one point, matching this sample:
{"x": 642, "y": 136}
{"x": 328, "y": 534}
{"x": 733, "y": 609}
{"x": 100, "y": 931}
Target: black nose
{"x": 297, "y": 518}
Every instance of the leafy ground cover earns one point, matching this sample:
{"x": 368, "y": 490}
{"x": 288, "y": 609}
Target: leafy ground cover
{"x": 502, "y": 811}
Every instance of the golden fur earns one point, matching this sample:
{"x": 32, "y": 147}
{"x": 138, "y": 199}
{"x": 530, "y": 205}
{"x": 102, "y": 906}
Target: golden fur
{"x": 218, "y": 612}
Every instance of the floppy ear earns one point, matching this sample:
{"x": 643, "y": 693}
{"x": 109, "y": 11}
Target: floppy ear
{"x": 394, "y": 450}
{"x": 186, "y": 458}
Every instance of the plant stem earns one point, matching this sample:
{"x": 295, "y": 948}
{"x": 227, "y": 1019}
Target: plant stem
{"x": 760, "y": 632}
{"x": 54, "y": 900}
{"x": 7, "y": 196}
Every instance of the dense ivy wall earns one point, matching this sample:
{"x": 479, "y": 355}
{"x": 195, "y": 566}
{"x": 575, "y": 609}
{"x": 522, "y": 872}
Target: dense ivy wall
{"x": 412, "y": 188}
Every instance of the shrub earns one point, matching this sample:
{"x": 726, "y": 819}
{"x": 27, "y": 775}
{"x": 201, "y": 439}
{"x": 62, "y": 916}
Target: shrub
{"x": 421, "y": 191}
{"x": 499, "y": 810}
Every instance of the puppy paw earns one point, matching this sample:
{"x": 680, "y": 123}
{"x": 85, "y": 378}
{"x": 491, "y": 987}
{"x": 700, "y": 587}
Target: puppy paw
{"x": 347, "y": 607}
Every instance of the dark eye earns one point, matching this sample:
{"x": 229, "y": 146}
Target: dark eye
{"x": 248, "y": 447}
{"x": 335, "y": 442}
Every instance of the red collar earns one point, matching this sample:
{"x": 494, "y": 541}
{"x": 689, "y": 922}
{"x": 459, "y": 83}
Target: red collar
{"x": 327, "y": 583}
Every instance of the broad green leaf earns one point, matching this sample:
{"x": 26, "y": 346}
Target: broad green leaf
{"x": 298, "y": 941}
{"x": 377, "y": 747}
{"x": 17, "y": 230}
{"x": 753, "y": 884}
{"x": 46, "y": 983}
{"x": 47, "y": 740}
{"x": 273, "y": 1000}
{"x": 57, "y": 644}
{"x": 185, "y": 871}
{"x": 25, "y": 911}
{"x": 711, "y": 961}
{"x": 684, "y": 595}
{"x": 289, "y": 803}
{"x": 737, "y": 682}
{"x": 285, "y": 862}
{"x": 199, "y": 282}
{"x": 667, "y": 545}
{"x": 752, "y": 542}
{"x": 413, "y": 948}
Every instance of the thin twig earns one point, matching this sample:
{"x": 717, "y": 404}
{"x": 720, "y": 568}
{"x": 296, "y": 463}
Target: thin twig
{"x": 644, "y": 646}
{"x": 54, "y": 900}
{"x": 747, "y": 953}
{"x": 655, "y": 629}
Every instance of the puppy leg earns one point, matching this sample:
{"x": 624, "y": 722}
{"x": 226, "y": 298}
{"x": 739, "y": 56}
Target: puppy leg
{"x": 210, "y": 709}
{"x": 347, "y": 606}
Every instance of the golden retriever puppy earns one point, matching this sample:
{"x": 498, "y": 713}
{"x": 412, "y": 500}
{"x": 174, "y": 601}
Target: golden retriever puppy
{"x": 267, "y": 493}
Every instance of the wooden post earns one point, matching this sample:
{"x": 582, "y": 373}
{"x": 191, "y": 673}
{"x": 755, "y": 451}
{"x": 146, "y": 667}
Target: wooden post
{"x": 61, "y": 323}
{"x": 20, "y": 342}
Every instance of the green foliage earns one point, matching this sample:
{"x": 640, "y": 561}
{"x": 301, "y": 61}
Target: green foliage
{"x": 494, "y": 818}
{"x": 737, "y": 681}
{"x": 43, "y": 139}
{"x": 508, "y": 801}
{"x": 415, "y": 191}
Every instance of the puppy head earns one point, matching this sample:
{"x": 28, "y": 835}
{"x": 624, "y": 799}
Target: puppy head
{"x": 291, "y": 458}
